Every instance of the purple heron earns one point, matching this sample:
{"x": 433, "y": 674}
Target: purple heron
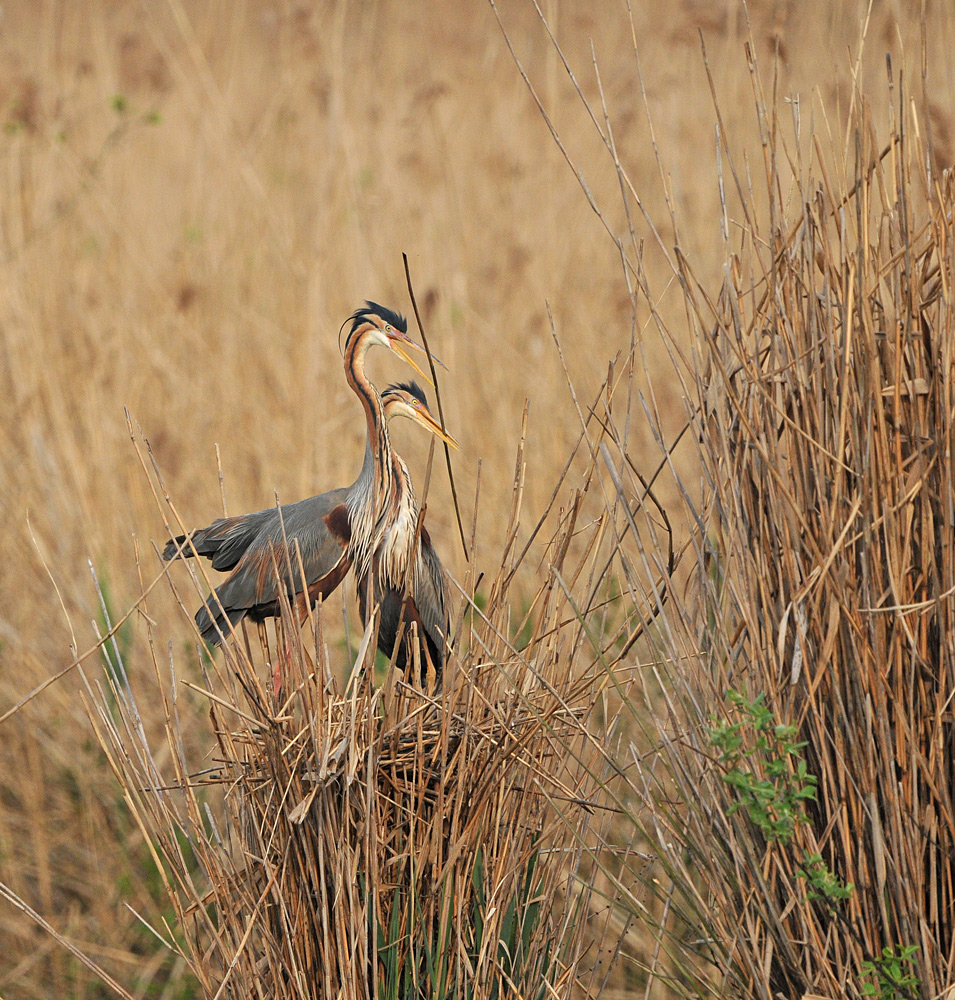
{"x": 325, "y": 534}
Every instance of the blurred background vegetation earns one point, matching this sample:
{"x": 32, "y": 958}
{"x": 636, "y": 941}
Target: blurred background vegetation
{"x": 193, "y": 197}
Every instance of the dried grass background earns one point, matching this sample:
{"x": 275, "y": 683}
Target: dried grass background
{"x": 190, "y": 249}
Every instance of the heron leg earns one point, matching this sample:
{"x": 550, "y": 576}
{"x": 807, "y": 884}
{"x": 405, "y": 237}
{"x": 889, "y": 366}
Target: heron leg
{"x": 277, "y": 677}
{"x": 276, "y": 668}
{"x": 300, "y": 610}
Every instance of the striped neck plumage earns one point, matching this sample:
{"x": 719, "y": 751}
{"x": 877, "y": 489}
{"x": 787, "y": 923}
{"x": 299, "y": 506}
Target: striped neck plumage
{"x": 397, "y": 549}
{"x": 371, "y": 503}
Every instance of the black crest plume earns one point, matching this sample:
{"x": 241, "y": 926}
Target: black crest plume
{"x": 382, "y": 312}
{"x": 412, "y": 388}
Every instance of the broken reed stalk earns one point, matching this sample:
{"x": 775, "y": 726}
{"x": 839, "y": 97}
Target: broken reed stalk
{"x": 379, "y": 841}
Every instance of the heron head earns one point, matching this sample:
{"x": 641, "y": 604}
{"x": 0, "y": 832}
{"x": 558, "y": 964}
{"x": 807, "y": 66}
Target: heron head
{"x": 408, "y": 399}
{"x": 386, "y": 328}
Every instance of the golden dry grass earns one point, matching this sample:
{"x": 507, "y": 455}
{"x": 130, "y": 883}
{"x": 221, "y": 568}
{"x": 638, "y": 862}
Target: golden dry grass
{"x": 190, "y": 252}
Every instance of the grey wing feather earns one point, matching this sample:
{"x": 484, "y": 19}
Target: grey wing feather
{"x": 431, "y": 597}
{"x": 224, "y": 541}
{"x": 254, "y": 579}
{"x": 255, "y": 551}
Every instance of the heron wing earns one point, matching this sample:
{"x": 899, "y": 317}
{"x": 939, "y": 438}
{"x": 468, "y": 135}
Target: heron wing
{"x": 431, "y": 595}
{"x": 427, "y": 605}
{"x": 312, "y": 530}
{"x": 224, "y": 541}
{"x": 317, "y": 532}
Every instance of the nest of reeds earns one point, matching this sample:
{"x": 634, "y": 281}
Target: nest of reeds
{"x": 365, "y": 817}
{"x": 385, "y": 841}
{"x": 347, "y": 838}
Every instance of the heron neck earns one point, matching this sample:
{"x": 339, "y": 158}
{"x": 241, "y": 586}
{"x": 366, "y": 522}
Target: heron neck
{"x": 378, "y": 445}
{"x": 398, "y": 545}
{"x": 366, "y": 478}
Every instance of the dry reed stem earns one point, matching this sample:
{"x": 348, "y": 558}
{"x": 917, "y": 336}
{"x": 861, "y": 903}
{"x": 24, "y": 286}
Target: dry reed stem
{"x": 367, "y": 841}
{"x": 824, "y": 581}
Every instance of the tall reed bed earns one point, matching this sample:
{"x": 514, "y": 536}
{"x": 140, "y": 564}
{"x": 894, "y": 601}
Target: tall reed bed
{"x": 722, "y": 775}
{"x": 792, "y": 772}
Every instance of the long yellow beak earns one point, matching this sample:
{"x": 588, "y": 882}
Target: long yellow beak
{"x": 399, "y": 347}
{"x": 434, "y": 357}
{"x": 427, "y": 421}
